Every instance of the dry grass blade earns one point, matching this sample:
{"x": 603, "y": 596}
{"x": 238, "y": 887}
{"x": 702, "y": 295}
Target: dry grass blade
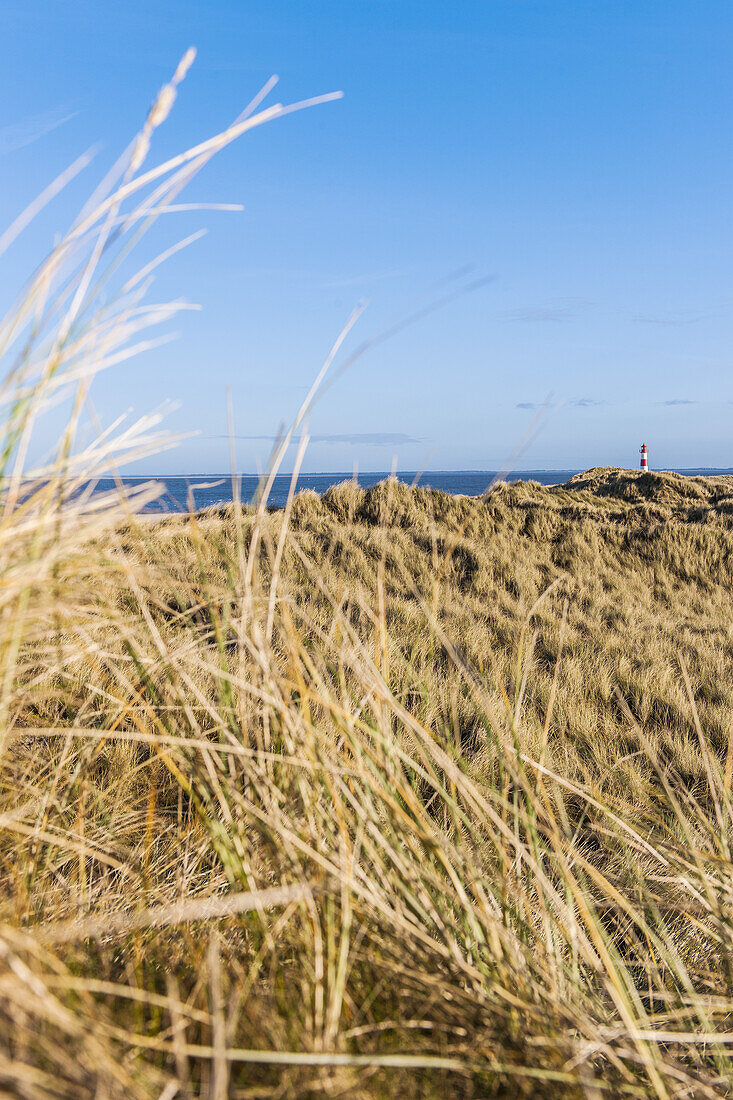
{"x": 181, "y": 912}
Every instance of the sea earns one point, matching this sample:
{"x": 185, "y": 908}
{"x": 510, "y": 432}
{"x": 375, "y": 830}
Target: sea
{"x": 197, "y": 491}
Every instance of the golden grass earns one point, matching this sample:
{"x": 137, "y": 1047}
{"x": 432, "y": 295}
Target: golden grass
{"x": 465, "y": 812}
{"x": 387, "y": 794}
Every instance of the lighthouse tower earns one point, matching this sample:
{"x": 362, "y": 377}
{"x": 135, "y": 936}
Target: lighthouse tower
{"x": 644, "y": 452}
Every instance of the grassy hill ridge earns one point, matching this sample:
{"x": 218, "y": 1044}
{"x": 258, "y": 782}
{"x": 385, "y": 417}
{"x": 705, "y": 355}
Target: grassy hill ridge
{"x": 452, "y": 776}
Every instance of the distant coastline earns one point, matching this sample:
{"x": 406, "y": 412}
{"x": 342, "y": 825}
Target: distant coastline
{"x": 196, "y": 491}
{"x": 514, "y": 475}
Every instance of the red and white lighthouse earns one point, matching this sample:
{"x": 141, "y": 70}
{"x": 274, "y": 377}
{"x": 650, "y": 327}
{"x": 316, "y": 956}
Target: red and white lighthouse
{"x": 644, "y": 452}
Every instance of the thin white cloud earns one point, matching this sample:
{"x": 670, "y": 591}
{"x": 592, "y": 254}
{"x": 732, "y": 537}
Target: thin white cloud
{"x": 562, "y": 309}
{"x": 576, "y": 403}
{"x": 20, "y": 134}
{"x": 367, "y": 439}
{"x": 365, "y": 277}
{"x": 670, "y": 317}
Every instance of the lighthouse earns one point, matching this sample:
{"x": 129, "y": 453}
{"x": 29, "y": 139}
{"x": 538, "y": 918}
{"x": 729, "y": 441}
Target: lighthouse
{"x": 644, "y": 452}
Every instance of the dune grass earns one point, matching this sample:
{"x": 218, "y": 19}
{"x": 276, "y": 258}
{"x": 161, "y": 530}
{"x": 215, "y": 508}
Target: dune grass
{"x": 385, "y": 794}
{"x": 449, "y": 796}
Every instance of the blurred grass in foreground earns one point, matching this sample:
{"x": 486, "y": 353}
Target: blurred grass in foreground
{"x": 386, "y": 794}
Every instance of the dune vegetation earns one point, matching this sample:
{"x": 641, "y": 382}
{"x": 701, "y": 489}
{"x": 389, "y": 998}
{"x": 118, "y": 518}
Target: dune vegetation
{"x": 391, "y": 793}
{"x": 387, "y": 793}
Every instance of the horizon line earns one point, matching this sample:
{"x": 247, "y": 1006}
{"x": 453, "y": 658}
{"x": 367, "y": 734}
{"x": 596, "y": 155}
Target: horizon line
{"x": 350, "y": 475}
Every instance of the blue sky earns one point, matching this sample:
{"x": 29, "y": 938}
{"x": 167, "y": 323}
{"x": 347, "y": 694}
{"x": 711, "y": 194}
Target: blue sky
{"x": 579, "y": 154}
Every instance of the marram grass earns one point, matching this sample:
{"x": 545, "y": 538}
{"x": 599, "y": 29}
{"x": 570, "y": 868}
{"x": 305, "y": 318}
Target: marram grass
{"x": 388, "y": 794}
